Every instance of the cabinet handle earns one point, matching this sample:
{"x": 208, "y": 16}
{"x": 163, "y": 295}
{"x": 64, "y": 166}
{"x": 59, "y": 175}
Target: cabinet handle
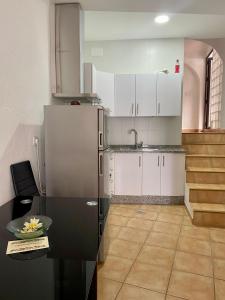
{"x": 100, "y": 139}
{"x": 137, "y": 109}
{"x": 163, "y": 160}
{"x": 139, "y": 161}
{"x": 158, "y": 160}
{"x": 158, "y": 108}
{"x": 132, "y": 109}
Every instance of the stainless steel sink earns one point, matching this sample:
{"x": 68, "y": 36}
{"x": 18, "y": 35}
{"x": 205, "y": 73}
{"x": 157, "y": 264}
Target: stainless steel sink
{"x": 140, "y": 148}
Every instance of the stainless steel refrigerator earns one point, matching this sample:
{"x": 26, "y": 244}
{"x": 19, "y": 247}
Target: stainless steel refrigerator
{"x": 75, "y": 156}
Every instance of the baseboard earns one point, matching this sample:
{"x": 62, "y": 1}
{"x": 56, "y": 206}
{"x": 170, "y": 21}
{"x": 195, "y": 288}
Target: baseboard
{"x": 124, "y": 199}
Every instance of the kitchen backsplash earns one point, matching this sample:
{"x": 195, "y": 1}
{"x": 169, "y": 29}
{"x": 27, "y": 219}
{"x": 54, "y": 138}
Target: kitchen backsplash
{"x": 151, "y": 130}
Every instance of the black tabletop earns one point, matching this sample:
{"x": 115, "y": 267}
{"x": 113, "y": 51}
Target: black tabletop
{"x": 65, "y": 270}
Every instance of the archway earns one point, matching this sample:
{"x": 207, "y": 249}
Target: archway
{"x": 195, "y": 87}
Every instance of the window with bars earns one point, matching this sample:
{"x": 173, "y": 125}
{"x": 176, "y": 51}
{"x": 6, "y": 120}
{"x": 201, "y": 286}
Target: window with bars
{"x": 215, "y": 91}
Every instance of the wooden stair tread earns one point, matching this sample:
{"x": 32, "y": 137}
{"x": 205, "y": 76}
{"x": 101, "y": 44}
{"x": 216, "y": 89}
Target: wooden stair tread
{"x": 207, "y": 207}
{"x": 206, "y": 170}
{"x": 206, "y": 155}
{"x": 203, "y": 144}
{"x": 208, "y": 186}
{"x": 204, "y": 132}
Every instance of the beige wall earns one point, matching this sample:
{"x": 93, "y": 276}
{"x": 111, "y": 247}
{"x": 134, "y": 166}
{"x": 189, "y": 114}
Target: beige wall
{"x": 193, "y": 93}
{"x": 24, "y": 82}
{"x": 194, "y": 81}
{"x": 195, "y": 53}
{"x": 219, "y": 45}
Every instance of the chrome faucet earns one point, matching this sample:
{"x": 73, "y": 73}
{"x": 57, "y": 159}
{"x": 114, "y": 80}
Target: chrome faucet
{"x": 135, "y": 138}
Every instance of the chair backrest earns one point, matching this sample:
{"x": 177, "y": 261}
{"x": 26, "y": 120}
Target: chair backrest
{"x": 23, "y": 179}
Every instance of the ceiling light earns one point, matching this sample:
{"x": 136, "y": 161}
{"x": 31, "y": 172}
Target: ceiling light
{"x": 162, "y": 19}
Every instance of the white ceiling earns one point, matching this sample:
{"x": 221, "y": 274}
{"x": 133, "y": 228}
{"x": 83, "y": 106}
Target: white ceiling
{"x": 169, "y": 6}
{"x": 109, "y": 25}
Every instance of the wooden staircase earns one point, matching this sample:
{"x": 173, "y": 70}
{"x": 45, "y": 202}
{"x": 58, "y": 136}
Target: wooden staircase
{"x": 205, "y": 177}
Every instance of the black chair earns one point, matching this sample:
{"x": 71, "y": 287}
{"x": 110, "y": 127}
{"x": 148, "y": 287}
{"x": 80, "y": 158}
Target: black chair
{"x": 23, "y": 179}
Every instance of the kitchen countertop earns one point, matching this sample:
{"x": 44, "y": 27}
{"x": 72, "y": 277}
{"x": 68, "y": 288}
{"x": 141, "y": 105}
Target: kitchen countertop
{"x": 67, "y": 269}
{"x": 147, "y": 148}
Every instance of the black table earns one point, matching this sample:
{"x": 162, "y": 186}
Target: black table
{"x": 67, "y": 270}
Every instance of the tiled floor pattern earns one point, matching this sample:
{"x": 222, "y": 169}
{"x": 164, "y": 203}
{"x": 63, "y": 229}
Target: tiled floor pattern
{"x": 155, "y": 253}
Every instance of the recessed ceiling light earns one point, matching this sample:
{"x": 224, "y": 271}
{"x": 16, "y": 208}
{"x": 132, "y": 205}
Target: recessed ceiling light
{"x": 162, "y": 19}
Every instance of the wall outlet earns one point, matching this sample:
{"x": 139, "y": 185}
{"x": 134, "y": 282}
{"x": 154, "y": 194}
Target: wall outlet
{"x": 96, "y": 52}
{"x": 35, "y": 140}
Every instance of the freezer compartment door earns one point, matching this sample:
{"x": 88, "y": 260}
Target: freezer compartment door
{"x": 102, "y": 129}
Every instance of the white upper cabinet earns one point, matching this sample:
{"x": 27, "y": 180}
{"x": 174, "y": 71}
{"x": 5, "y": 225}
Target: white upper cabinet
{"x": 151, "y": 174}
{"x": 172, "y": 174}
{"x": 169, "y": 94}
{"x": 105, "y": 90}
{"x": 141, "y": 95}
{"x": 100, "y": 83}
{"x": 146, "y": 95}
{"x": 124, "y": 95}
{"x": 90, "y": 74}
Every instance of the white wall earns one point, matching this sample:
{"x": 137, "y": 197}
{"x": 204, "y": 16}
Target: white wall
{"x": 151, "y": 131}
{"x": 24, "y": 82}
{"x": 139, "y": 56}
{"x": 135, "y": 56}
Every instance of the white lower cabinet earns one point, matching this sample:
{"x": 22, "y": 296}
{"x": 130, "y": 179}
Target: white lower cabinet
{"x": 128, "y": 173}
{"x": 155, "y": 174}
{"x": 111, "y": 175}
{"x": 172, "y": 174}
{"x": 151, "y": 174}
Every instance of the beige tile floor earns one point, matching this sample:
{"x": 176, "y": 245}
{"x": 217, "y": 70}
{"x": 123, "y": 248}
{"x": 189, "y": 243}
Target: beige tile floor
{"x": 153, "y": 252}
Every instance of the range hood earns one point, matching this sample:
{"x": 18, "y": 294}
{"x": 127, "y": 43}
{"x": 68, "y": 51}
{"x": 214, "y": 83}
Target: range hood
{"x": 73, "y": 78}
{"x": 67, "y": 53}
{"x": 84, "y": 97}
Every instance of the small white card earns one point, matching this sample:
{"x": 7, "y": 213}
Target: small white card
{"x": 27, "y": 245}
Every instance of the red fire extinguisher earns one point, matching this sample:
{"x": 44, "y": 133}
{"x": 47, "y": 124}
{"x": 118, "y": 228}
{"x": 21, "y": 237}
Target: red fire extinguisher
{"x": 177, "y": 66}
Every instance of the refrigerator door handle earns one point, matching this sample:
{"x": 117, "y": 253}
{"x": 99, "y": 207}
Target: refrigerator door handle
{"x": 100, "y": 209}
{"x": 100, "y": 164}
{"x": 101, "y": 230}
{"x": 100, "y": 139}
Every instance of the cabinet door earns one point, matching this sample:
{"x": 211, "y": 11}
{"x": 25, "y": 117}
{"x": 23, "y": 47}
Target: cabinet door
{"x": 105, "y": 89}
{"x": 168, "y": 94}
{"x": 124, "y": 95}
{"x": 90, "y": 75}
{"x": 146, "y": 95}
{"x": 151, "y": 174}
{"x": 172, "y": 174}
{"x": 128, "y": 173}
